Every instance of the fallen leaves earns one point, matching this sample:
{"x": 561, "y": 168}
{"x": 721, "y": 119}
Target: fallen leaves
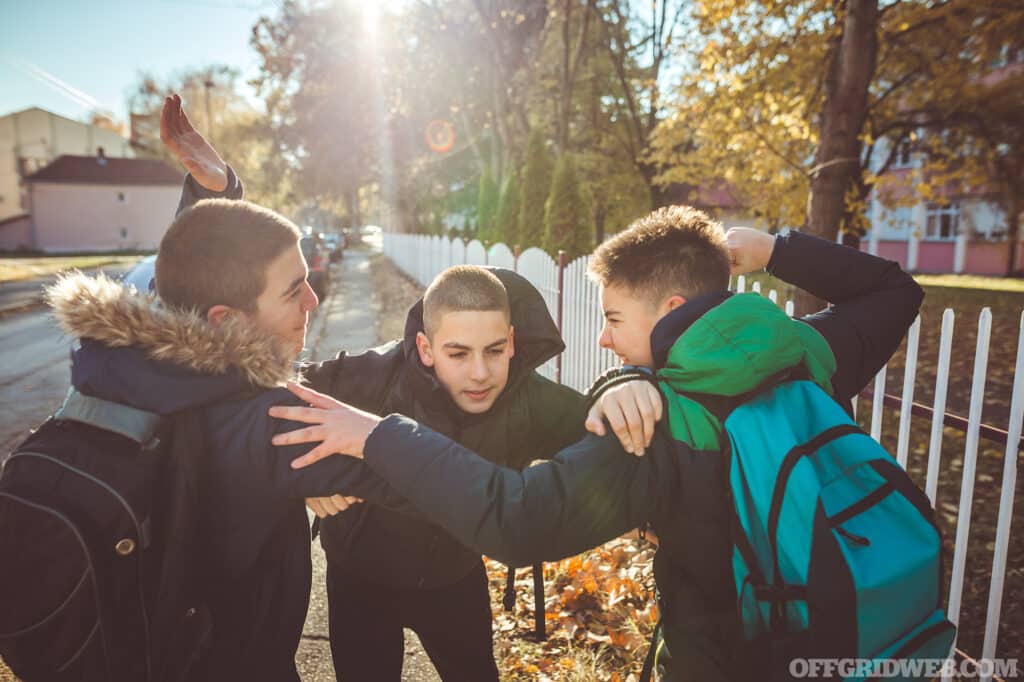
{"x": 600, "y": 613}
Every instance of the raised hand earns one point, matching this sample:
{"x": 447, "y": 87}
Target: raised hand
{"x": 749, "y": 249}
{"x": 337, "y": 427}
{"x": 191, "y": 148}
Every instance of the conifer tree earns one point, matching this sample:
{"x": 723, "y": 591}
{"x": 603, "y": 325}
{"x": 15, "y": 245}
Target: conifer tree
{"x": 534, "y": 194}
{"x": 566, "y": 227}
{"x": 507, "y": 226}
{"x": 486, "y": 208}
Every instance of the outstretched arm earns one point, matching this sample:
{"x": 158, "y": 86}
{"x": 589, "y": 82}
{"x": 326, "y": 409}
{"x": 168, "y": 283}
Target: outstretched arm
{"x": 589, "y": 493}
{"x": 208, "y": 176}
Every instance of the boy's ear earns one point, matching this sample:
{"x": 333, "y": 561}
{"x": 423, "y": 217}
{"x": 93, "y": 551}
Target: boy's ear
{"x": 218, "y": 314}
{"x": 673, "y": 302}
{"x": 424, "y": 349}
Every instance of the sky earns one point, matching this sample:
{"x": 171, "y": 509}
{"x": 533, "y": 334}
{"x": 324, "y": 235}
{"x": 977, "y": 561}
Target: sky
{"x": 72, "y": 56}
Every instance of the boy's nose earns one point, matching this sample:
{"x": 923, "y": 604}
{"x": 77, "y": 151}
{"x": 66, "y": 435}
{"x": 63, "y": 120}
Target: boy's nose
{"x": 479, "y": 370}
{"x": 605, "y": 338}
{"x": 310, "y": 299}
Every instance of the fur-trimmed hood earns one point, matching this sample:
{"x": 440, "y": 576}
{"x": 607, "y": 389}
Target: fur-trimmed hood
{"x": 135, "y": 351}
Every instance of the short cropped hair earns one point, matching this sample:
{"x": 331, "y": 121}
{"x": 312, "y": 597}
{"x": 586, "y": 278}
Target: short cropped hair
{"x": 675, "y": 250}
{"x": 462, "y": 287}
{"x": 217, "y": 253}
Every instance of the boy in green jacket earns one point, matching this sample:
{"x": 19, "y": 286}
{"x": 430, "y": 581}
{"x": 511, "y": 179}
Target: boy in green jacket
{"x": 667, "y": 309}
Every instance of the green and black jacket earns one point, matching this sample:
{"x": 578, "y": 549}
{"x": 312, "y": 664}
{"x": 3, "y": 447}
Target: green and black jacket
{"x": 719, "y": 345}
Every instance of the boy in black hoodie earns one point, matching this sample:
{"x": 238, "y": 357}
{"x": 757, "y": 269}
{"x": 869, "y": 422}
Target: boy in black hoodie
{"x": 467, "y": 367}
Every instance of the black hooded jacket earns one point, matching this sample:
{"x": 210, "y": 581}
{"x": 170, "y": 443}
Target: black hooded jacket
{"x": 253, "y": 529}
{"x": 533, "y": 418}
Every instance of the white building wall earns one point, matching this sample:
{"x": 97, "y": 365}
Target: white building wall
{"x": 981, "y": 219}
{"x": 76, "y": 217}
{"x": 39, "y": 137}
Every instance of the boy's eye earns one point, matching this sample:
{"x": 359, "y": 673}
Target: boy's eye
{"x": 457, "y": 356}
{"x": 496, "y": 351}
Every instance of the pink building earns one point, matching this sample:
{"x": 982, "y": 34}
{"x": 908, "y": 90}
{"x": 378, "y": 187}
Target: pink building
{"x": 964, "y": 232}
{"x": 96, "y": 203}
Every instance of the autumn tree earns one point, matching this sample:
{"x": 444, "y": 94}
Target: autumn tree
{"x": 322, "y": 101}
{"x": 240, "y": 131}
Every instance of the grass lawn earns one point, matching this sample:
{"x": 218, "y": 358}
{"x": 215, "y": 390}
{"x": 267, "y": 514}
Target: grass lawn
{"x": 14, "y": 269}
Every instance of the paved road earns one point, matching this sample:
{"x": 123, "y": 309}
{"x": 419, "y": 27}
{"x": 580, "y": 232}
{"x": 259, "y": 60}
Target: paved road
{"x": 34, "y": 375}
{"x": 29, "y": 291}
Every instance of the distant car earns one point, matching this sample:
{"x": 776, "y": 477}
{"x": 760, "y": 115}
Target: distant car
{"x": 143, "y": 275}
{"x": 319, "y": 275}
{"x": 335, "y": 243}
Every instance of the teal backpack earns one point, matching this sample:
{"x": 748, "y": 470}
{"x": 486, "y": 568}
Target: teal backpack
{"x": 837, "y": 555}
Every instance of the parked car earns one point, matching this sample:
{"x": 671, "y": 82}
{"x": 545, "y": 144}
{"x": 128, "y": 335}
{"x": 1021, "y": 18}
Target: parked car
{"x": 336, "y": 243}
{"x": 319, "y": 274}
{"x": 143, "y": 275}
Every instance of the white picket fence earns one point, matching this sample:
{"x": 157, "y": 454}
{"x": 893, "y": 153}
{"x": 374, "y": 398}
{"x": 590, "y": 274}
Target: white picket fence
{"x": 573, "y": 302}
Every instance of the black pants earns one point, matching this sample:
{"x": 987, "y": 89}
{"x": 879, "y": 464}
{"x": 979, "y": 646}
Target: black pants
{"x": 452, "y": 622}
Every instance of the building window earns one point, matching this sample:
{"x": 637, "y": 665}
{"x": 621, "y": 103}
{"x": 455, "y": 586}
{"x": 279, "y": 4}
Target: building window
{"x": 121, "y": 197}
{"x": 943, "y": 221}
{"x": 904, "y": 155}
{"x": 124, "y": 233}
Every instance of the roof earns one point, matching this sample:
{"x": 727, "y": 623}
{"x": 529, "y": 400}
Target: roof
{"x": 13, "y": 218}
{"x": 94, "y": 170}
{"x": 716, "y": 194}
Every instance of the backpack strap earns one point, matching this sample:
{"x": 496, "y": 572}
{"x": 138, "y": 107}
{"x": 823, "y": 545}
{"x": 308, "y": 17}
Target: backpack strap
{"x": 538, "y": 602}
{"x": 130, "y": 422}
{"x": 508, "y": 599}
{"x": 652, "y": 654}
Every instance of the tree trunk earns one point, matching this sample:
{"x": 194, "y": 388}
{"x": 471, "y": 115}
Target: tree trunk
{"x": 352, "y": 206}
{"x": 659, "y": 196}
{"x": 599, "y": 219}
{"x": 853, "y": 55}
{"x": 1012, "y": 234}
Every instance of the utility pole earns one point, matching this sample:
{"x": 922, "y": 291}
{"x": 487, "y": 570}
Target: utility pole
{"x": 208, "y": 85}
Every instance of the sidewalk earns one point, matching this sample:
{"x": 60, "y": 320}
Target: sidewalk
{"x": 346, "y": 319}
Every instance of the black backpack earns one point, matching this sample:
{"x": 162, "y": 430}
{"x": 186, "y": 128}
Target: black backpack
{"x": 97, "y": 523}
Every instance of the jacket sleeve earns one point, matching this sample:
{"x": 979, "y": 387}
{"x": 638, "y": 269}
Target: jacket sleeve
{"x": 874, "y": 302}
{"x": 589, "y": 493}
{"x": 332, "y": 475}
{"x": 557, "y": 414}
{"x": 361, "y": 380}
{"x": 192, "y": 191}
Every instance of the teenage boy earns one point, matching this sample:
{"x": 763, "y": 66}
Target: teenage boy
{"x": 234, "y": 305}
{"x": 467, "y": 367}
{"x": 666, "y": 307}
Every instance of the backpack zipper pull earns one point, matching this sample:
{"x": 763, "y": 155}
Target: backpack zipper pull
{"x": 856, "y": 539}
